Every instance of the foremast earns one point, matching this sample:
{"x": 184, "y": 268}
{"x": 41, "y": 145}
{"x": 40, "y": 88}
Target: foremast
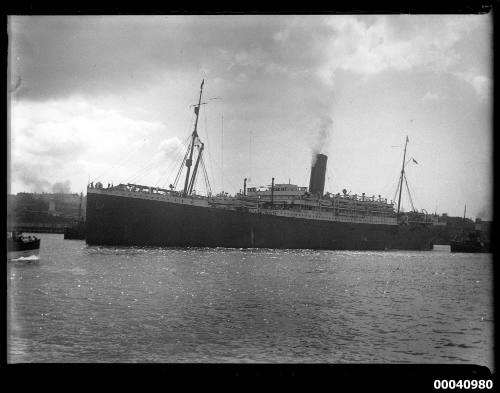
{"x": 402, "y": 176}
{"x": 188, "y": 185}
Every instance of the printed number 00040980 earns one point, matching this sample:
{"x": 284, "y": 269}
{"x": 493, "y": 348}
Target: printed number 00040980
{"x": 463, "y": 384}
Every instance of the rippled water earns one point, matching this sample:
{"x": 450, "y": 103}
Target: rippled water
{"x": 108, "y": 304}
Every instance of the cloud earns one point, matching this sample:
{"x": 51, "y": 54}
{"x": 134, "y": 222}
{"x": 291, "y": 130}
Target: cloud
{"x": 485, "y": 212}
{"x": 281, "y": 35}
{"x": 395, "y": 43}
{"x": 170, "y": 147}
{"x": 480, "y": 83}
{"x": 59, "y": 139}
{"x": 57, "y": 56}
{"x": 430, "y": 96}
{"x": 61, "y": 55}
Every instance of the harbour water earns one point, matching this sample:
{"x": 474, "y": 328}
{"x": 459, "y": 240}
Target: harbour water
{"x": 106, "y": 304}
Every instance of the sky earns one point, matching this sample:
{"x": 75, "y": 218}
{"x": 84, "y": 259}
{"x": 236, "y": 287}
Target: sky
{"x": 109, "y": 98}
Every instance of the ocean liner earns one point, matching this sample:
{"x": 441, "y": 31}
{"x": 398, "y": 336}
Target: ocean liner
{"x": 283, "y": 216}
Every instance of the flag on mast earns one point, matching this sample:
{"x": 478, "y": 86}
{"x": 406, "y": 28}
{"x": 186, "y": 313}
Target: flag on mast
{"x": 407, "y": 140}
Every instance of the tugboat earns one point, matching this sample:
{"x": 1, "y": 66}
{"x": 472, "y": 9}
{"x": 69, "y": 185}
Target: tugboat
{"x": 473, "y": 241}
{"x": 470, "y": 242}
{"x": 21, "y": 246}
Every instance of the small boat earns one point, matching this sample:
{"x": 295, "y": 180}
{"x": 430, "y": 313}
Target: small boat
{"x": 473, "y": 241}
{"x": 470, "y": 242}
{"x": 21, "y": 246}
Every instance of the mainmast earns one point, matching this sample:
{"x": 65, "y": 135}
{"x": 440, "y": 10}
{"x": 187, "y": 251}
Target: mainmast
{"x": 402, "y": 175}
{"x": 189, "y": 161}
{"x": 195, "y": 170}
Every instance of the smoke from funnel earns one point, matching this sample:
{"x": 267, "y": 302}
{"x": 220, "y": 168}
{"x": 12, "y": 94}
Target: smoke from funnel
{"x": 31, "y": 179}
{"x": 33, "y": 182}
{"x": 62, "y": 187}
{"x": 324, "y": 127}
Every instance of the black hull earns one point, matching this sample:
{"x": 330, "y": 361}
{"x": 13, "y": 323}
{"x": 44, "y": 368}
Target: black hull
{"x": 472, "y": 247}
{"x": 127, "y": 221}
{"x": 13, "y": 245}
{"x": 76, "y": 232}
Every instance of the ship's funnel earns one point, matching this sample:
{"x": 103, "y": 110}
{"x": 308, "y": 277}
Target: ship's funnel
{"x": 318, "y": 170}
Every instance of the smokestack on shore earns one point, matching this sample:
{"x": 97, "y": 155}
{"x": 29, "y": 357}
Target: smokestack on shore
{"x": 318, "y": 171}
